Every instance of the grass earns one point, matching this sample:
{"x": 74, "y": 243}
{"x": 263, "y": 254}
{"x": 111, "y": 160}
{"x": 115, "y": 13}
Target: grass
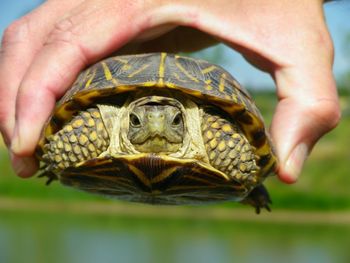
{"x": 323, "y": 185}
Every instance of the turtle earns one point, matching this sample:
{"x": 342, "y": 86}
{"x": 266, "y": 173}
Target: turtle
{"x": 159, "y": 128}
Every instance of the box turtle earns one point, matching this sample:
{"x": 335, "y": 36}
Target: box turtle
{"x": 159, "y": 128}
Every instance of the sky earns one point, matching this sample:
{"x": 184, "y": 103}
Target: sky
{"x": 338, "y": 20}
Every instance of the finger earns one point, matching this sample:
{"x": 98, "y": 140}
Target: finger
{"x": 20, "y": 43}
{"x": 24, "y": 166}
{"x": 89, "y": 33}
{"x": 300, "y": 62}
{"x": 308, "y": 108}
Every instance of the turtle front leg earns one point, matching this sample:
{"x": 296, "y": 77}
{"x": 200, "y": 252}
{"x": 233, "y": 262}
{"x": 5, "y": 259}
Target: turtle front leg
{"x": 230, "y": 152}
{"x": 83, "y": 138}
{"x": 227, "y": 147}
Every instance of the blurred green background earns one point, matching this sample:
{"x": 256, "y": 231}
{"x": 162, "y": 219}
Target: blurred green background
{"x": 310, "y": 221}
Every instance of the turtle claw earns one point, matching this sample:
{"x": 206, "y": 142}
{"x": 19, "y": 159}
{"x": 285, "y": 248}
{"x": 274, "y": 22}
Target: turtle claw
{"x": 49, "y": 174}
{"x": 258, "y": 198}
{"x": 258, "y": 209}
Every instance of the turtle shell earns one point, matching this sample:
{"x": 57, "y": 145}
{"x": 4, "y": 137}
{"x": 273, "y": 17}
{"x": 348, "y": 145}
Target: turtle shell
{"x": 200, "y": 79}
{"x": 194, "y": 77}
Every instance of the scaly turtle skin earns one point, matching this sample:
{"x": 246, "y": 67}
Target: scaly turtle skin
{"x": 159, "y": 128}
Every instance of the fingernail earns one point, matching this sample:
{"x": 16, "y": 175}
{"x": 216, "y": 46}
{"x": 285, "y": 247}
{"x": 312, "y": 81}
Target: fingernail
{"x": 24, "y": 167}
{"x": 15, "y": 143}
{"x": 295, "y": 163}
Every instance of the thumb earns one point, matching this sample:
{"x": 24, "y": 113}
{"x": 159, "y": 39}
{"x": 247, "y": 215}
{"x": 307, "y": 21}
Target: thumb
{"x": 308, "y": 108}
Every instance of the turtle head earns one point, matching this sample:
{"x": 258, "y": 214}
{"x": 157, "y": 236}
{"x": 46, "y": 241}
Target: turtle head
{"x": 156, "y": 128}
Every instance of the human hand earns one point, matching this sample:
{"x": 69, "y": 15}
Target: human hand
{"x": 43, "y": 52}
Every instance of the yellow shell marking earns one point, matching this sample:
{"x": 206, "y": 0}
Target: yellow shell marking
{"x": 184, "y": 70}
{"x": 106, "y": 70}
{"x": 208, "y": 69}
{"x": 88, "y": 83}
{"x": 151, "y": 83}
{"x": 222, "y": 82}
{"x": 161, "y": 69}
{"x": 119, "y": 59}
{"x": 234, "y": 98}
{"x": 108, "y": 73}
{"x": 140, "y": 175}
{"x": 164, "y": 175}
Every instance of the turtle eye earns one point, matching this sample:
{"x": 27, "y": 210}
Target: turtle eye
{"x": 134, "y": 120}
{"x": 177, "y": 120}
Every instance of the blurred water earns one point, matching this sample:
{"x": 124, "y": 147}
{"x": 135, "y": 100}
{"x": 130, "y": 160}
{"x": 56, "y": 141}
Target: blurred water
{"x": 55, "y": 238}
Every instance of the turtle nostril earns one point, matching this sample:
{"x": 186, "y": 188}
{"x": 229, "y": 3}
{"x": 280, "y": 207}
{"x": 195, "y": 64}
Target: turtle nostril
{"x": 156, "y": 116}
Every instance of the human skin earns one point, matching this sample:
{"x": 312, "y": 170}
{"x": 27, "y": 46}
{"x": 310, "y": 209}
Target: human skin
{"x": 43, "y": 52}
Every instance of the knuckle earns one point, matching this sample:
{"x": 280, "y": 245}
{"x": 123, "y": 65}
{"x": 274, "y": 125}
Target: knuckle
{"x": 16, "y": 32}
{"x": 63, "y": 33}
{"x": 327, "y": 113}
{"x": 323, "y": 41}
